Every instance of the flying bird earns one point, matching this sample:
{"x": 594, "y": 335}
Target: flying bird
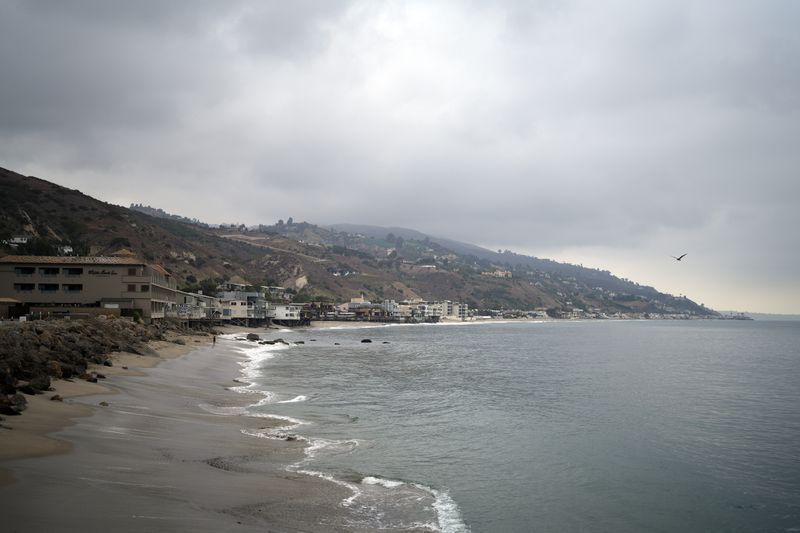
{"x": 678, "y": 258}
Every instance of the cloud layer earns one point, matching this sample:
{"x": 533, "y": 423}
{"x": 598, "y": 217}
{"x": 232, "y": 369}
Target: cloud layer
{"x": 609, "y": 133}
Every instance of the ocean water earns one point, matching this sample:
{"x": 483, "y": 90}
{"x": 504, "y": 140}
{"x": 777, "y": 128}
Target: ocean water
{"x": 555, "y": 426}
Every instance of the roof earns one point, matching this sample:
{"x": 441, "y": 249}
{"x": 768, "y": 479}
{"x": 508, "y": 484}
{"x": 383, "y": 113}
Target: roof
{"x": 71, "y": 260}
{"x": 161, "y": 270}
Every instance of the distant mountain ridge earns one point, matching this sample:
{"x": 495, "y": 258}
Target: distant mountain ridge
{"x": 317, "y": 263}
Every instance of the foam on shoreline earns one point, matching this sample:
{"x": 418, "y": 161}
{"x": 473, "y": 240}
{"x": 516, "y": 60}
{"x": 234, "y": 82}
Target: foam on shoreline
{"x": 366, "y": 495}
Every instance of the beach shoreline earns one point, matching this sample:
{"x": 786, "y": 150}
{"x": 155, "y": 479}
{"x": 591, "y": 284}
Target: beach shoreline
{"x": 29, "y": 435}
{"x": 120, "y": 450}
{"x": 179, "y": 381}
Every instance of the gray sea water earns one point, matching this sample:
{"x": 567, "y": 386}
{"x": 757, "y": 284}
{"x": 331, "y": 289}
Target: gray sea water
{"x": 673, "y": 426}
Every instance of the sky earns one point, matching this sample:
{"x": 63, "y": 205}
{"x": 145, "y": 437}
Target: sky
{"x": 612, "y": 134}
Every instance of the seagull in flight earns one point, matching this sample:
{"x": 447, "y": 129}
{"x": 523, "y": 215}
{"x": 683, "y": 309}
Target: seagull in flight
{"x": 678, "y": 258}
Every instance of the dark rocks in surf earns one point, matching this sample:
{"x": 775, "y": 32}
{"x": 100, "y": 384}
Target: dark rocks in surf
{"x": 366, "y": 340}
{"x": 253, "y": 337}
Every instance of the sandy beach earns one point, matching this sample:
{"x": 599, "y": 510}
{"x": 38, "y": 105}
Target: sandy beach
{"x": 137, "y": 452}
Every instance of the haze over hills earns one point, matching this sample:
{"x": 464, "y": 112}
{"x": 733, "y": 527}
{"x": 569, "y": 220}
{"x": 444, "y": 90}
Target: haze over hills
{"x": 313, "y": 262}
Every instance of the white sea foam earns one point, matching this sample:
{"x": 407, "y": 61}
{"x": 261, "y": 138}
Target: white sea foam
{"x": 448, "y": 515}
{"x": 296, "y": 399}
{"x": 331, "y": 447}
{"x": 388, "y": 483}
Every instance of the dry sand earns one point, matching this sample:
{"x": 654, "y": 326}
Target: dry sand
{"x": 139, "y": 453}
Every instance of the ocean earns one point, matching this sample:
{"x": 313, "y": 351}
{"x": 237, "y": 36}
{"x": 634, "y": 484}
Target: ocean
{"x": 623, "y": 426}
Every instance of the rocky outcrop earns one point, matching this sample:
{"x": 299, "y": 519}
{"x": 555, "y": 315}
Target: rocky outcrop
{"x": 33, "y": 353}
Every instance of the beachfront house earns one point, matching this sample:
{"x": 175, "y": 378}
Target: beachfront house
{"x": 86, "y": 286}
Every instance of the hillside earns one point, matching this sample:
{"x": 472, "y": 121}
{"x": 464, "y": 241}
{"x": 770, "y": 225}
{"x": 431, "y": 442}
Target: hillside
{"x": 312, "y": 262}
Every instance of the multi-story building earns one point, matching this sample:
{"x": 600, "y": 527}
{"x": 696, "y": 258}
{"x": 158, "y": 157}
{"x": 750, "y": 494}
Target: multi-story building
{"x": 123, "y": 286}
{"x": 285, "y": 314}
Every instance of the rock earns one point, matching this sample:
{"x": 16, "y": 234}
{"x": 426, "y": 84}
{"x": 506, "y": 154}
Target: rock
{"x": 366, "y": 340}
{"x": 88, "y": 377}
{"x": 56, "y": 398}
{"x": 19, "y": 401}
{"x": 40, "y": 382}
{"x": 299, "y": 342}
{"x": 253, "y": 337}
{"x": 313, "y": 340}
{"x": 104, "y": 404}
{"x": 36, "y": 385}
{"x": 291, "y": 438}
{"x": 269, "y": 342}
{"x": 124, "y": 367}
{"x": 336, "y": 344}
{"x": 12, "y": 405}
{"x": 98, "y": 375}
{"x": 179, "y": 341}
{"x": 7, "y": 382}
{"x": 54, "y": 369}
{"x": 385, "y": 342}
{"x": 108, "y": 362}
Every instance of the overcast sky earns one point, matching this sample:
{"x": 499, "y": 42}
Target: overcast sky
{"x": 608, "y": 133}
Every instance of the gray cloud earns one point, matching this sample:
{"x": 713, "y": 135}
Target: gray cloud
{"x": 584, "y": 130}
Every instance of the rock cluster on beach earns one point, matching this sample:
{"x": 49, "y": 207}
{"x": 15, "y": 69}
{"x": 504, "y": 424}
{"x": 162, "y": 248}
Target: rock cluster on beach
{"x": 33, "y": 353}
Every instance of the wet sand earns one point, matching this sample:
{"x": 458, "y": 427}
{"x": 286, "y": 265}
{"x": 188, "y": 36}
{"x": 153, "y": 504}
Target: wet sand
{"x": 138, "y": 453}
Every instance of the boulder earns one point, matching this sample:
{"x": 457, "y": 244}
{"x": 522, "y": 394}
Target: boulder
{"x": 56, "y": 398}
{"x": 12, "y": 405}
{"x": 40, "y": 383}
{"x": 253, "y": 337}
{"x": 366, "y": 340}
{"x": 54, "y": 369}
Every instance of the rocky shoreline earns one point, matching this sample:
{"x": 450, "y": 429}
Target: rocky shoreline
{"x": 34, "y": 353}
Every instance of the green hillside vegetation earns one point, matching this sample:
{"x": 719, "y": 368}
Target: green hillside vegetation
{"x": 312, "y": 262}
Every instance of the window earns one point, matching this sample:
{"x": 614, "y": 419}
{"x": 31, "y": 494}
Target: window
{"x": 24, "y": 287}
{"x": 145, "y": 288}
{"x": 48, "y": 287}
{"x": 24, "y": 271}
{"x": 131, "y": 288}
{"x": 48, "y": 271}
{"x": 72, "y": 287}
{"x": 131, "y": 271}
{"x": 73, "y": 271}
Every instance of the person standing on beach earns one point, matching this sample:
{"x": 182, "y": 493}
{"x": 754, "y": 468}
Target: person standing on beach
{"x": 214, "y": 342}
